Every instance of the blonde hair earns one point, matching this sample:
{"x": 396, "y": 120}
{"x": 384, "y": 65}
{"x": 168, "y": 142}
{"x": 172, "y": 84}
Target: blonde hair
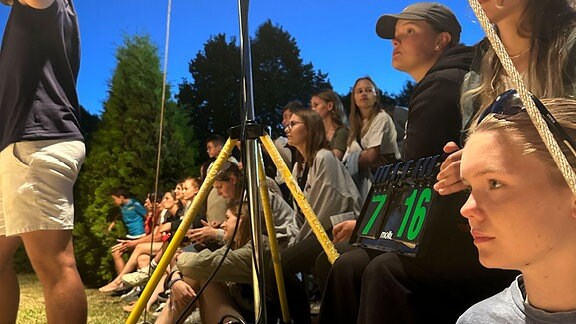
{"x": 357, "y": 130}
{"x": 551, "y": 27}
{"x": 519, "y": 130}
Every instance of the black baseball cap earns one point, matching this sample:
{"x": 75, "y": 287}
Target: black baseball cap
{"x": 434, "y": 13}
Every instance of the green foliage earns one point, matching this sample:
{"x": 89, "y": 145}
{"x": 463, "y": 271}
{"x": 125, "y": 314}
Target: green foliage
{"x": 403, "y": 98}
{"x": 214, "y": 99}
{"x": 123, "y": 152}
{"x": 280, "y": 74}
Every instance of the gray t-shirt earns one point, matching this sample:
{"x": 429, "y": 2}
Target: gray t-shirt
{"x": 509, "y": 306}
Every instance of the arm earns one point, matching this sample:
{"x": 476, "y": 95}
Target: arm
{"x": 380, "y": 135}
{"x": 449, "y": 180}
{"x": 236, "y": 267}
{"x": 368, "y": 157}
{"x": 343, "y": 231}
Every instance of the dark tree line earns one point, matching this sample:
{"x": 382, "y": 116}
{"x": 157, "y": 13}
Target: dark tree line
{"x": 122, "y": 141}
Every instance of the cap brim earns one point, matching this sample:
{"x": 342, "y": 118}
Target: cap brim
{"x": 386, "y": 25}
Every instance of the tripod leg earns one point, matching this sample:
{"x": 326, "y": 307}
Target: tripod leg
{"x": 312, "y": 219}
{"x": 273, "y": 242}
{"x": 181, "y": 231}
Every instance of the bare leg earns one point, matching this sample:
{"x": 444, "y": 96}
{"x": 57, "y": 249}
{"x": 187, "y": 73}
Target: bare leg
{"x": 10, "y": 291}
{"x": 131, "y": 264}
{"x": 216, "y": 302}
{"x": 52, "y": 256}
{"x": 143, "y": 261}
{"x": 118, "y": 261}
{"x": 174, "y": 308}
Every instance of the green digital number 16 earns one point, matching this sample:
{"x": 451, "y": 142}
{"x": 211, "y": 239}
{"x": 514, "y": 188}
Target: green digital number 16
{"x": 417, "y": 216}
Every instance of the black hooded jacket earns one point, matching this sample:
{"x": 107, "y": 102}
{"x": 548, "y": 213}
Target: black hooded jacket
{"x": 434, "y": 116}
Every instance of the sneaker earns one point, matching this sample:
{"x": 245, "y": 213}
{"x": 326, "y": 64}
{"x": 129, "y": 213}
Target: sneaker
{"x": 163, "y": 296}
{"x": 158, "y": 310}
{"x": 315, "y": 307}
{"x": 137, "y": 278}
{"x": 132, "y": 294}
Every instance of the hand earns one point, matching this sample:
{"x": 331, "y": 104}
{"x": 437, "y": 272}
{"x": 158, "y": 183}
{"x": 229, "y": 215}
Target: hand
{"x": 166, "y": 227}
{"x": 120, "y": 248}
{"x": 180, "y": 295}
{"x": 343, "y": 231}
{"x": 202, "y": 235}
{"x": 213, "y": 224}
{"x": 449, "y": 180}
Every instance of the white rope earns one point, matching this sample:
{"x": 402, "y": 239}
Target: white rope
{"x": 518, "y": 82}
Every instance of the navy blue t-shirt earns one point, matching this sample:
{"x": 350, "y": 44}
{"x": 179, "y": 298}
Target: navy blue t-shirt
{"x": 39, "y": 63}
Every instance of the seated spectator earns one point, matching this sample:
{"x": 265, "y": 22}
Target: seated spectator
{"x": 328, "y": 104}
{"x": 370, "y": 286}
{"x": 133, "y": 215}
{"x": 229, "y": 184}
{"x": 522, "y": 212}
{"x": 216, "y": 300}
{"x": 330, "y": 191}
{"x": 372, "y": 138}
{"x": 141, "y": 247}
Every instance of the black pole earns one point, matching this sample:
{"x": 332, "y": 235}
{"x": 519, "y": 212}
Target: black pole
{"x": 252, "y": 150}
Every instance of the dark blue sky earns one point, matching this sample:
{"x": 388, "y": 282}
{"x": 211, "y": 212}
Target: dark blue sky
{"x": 336, "y": 36}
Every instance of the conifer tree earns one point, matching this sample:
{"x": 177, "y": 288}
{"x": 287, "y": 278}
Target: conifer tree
{"x": 123, "y": 152}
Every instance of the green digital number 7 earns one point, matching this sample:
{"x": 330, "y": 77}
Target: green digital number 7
{"x": 381, "y": 200}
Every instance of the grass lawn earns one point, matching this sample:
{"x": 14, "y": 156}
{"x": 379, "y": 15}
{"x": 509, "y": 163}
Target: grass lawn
{"x": 101, "y": 307}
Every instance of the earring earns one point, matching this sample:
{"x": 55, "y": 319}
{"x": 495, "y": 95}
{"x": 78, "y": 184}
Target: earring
{"x": 500, "y": 5}
{"x": 437, "y": 47}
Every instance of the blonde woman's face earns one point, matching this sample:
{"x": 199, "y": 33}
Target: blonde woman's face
{"x": 365, "y": 94}
{"x": 190, "y": 190}
{"x": 519, "y": 217}
{"x": 321, "y": 106}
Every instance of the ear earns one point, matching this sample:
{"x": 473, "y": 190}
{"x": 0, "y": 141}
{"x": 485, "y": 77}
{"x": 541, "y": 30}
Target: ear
{"x": 233, "y": 179}
{"x": 442, "y": 41}
{"x": 330, "y": 105}
{"x": 573, "y": 214}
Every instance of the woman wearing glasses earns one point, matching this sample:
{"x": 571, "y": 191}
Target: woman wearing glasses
{"x": 328, "y": 188}
{"x": 539, "y": 36}
{"x": 372, "y": 137}
{"x": 522, "y": 213}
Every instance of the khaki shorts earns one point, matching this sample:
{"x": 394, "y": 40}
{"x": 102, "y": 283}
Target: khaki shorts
{"x": 36, "y": 182}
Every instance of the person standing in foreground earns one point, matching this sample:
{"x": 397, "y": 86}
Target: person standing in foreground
{"x": 41, "y": 151}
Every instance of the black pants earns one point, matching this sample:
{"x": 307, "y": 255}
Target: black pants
{"x": 371, "y": 287}
{"x": 300, "y": 257}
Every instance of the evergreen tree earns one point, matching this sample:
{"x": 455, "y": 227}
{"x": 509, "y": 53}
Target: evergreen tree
{"x": 280, "y": 75}
{"x": 123, "y": 152}
{"x": 213, "y": 97}
{"x": 403, "y": 98}
{"x": 213, "y": 100}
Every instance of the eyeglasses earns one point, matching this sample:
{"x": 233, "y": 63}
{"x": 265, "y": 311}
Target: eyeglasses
{"x": 291, "y": 124}
{"x": 509, "y": 103}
